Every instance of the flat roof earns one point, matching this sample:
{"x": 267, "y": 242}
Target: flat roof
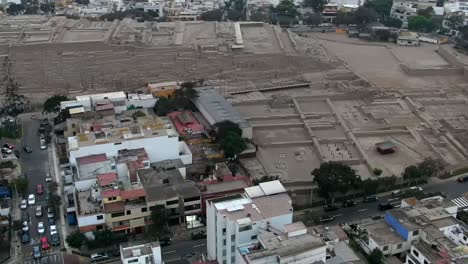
{"x": 383, "y": 234}
{"x": 265, "y": 188}
{"x": 130, "y": 250}
{"x": 218, "y": 108}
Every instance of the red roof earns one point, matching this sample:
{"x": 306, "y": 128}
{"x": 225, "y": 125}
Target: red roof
{"x": 91, "y": 159}
{"x": 114, "y": 207}
{"x": 110, "y": 193}
{"x": 104, "y": 107}
{"x": 132, "y": 194}
{"x": 106, "y": 178}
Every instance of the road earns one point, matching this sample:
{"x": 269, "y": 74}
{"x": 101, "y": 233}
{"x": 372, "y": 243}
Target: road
{"x": 179, "y": 250}
{"x": 35, "y": 166}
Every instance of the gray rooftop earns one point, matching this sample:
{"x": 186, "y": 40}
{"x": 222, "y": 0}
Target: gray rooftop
{"x": 383, "y": 234}
{"x": 130, "y": 250}
{"x": 218, "y": 108}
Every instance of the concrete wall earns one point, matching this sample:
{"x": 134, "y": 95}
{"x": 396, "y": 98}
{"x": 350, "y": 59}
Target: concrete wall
{"x": 421, "y": 71}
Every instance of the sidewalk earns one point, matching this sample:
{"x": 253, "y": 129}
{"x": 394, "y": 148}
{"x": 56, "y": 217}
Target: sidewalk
{"x": 181, "y": 233}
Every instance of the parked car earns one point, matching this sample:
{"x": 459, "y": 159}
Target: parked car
{"x": 198, "y": 235}
{"x": 396, "y": 193}
{"x": 50, "y": 212}
{"x": 25, "y": 226}
{"x": 165, "y": 241}
{"x": 7, "y": 151}
{"x": 385, "y": 206}
{"x": 416, "y": 189}
{"x": 48, "y": 178}
{"x": 27, "y": 149}
{"x": 349, "y": 203}
{"x": 39, "y": 189}
{"x": 25, "y": 238}
{"x": 37, "y": 252}
{"x": 24, "y": 204}
{"x": 38, "y": 211}
{"x": 45, "y": 243}
{"x": 53, "y": 229}
{"x": 370, "y": 199}
{"x": 55, "y": 239}
{"x": 25, "y": 216}
{"x": 98, "y": 257}
{"x": 326, "y": 218}
{"x": 330, "y": 207}
{"x": 51, "y": 221}
{"x": 9, "y": 146}
{"x": 462, "y": 179}
{"x": 40, "y": 228}
{"x": 31, "y": 199}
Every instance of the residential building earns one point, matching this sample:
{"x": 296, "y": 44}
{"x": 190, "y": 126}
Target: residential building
{"x": 168, "y": 188}
{"x": 216, "y": 109}
{"x": 87, "y": 103}
{"x": 294, "y": 245}
{"x": 131, "y": 253}
{"x": 329, "y": 12}
{"x": 234, "y": 222}
{"x": 402, "y": 9}
{"x": 164, "y": 89}
{"x": 93, "y": 133}
{"x": 407, "y": 38}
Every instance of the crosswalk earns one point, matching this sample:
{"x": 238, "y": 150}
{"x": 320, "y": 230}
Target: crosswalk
{"x": 461, "y": 202}
{"x": 53, "y": 258}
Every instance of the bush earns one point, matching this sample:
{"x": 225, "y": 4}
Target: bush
{"x": 377, "y": 172}
{"x": 7, "y": 164}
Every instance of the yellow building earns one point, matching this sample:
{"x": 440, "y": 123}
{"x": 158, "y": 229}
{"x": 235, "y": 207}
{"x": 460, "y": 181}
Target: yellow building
{"x": 164, "y": 89}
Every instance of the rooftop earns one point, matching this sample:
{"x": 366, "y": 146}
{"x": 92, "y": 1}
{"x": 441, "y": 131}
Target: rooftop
{"x": 130, "y": 250}
{"x": 91, "y": 159}
{"x": 218, "y": 107}
{"x": 87, "y": 204}
{"x": 382, "y": 233}
{"x": 106, "y": 178}
{"x": 228, "y": 183}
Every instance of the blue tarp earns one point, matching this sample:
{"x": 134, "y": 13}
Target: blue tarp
{"x": 5, "y": 191}
{"x": 71, "y": 218}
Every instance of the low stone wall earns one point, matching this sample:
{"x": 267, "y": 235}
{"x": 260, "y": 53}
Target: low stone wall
{"x": 422, "y": 71}
{"x": 449, "y": 57}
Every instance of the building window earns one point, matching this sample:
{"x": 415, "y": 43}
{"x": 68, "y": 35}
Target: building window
{"x": 132, "y": 261}
{"x": 117, "y": 214}
{"x": 415, "y": 233}
{"x": 224, "y": 242}
{"x": 233, "y": 259}
{"x": 144, "y": 209}
{"x": 129, "y": 212}
{"x": 172, "y": 202}
{"x": 385, "y": 248}
{"x": 233, "y": 238}
{"x": 415, "y": 253}
{"x": 410, "y": 262}
{"x": 425, "y": 262}
{"x": 399, "y": 246}
{"x": 99, "y": 227}
{"x": 99, "y": 217}
{"x": 253, "y": 237}
{"x": 224, "y": 231}
{"x": 245, "y": 228}
{"x": 224, "y": 253}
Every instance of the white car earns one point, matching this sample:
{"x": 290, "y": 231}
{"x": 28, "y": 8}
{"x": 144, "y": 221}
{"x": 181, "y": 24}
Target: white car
{"x": 24, "y": 204}
{"x": 40, "y": 228}
{"x": 25, "y": 227}
{"x": 53, "y": 229}
{"x": 48, "y": 178}
{"x": 6, "y": 151}
{"x": 31, "y": 199}
{"x": 416, "y": 189}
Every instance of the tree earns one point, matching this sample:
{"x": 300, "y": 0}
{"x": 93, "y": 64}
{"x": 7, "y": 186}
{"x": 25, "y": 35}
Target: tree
{"x": 463, "y": 216}
{"x": 212, "y": 15}
{"x": 462, "y": 38}
{"x": 316, "y": 5}
{"x": 239, "y": 5}
{"x": 54, "y": 201}
{"x": 370, "y": 186}
{"x": 259, "y": 15}
{"x": 312, "y": 19}
{"x": 235, "y": 15}
{"x": 158, "y": 227}
{"x": 7, "y": 164}
{"x": 345, "y": 18}
{"x": 20, "y": 185}
{"x": 377, "y": 171}
{"x": 418, "y": 23}
{"x": 105, "y": 238}
{"x": 138, "y": 114}
{"x": 185, "y": 94}
{"x": 455, "y": 21}
{"x": 164, "y": 106}
{"x": 14, "y": 103}
{"x": 76, "y": 240}
{"x": 365, "y": 15}
{"x": 17, "y": 225}
{"x": 334, "y": 177}
{"x": 376, "y": 257}
{"x": 53, "y": 187}
{"x": 392, "y": 22}
{"x": 52, "y": 105}
{"x": 430, "y": 167}
{"x": 286, "y": 8}
{"x": 232, "y": 145}
{"x": 412, "y": 173}
{"x": 224, "y": 127}
{"x": 427, "y": 13}
{"x": 382, "y": 7}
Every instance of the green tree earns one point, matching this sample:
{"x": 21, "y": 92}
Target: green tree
{"x": 224, "y": 127}
{"x": 17, "y": 225}
{"x": 164, "y": 106}
{"x": 232, "y": 145}
{"x": 418, "y": 23}
{"x": 54, "y": 201}
{"x": 20, "y": 185}
{"x": 412, "y": 174}
{"x": 14, "y": 102}
{"x": 159, "y": 226}
{"x": 52, "y": 105}
{"x": 239, "y": 5}
{"x": 462, "y": 38}
{"x": 316, "y": 5}
{"x": 212, "y": 15}
{"x": 76, "y": 240}
{"x": 185, "y": 94}
{"x": 430, "y": 167}
{"x": 382, "y": 7}
{"x": 53, "y": 187}
{"x": 312, "y": 19}
{"x": 287, "y": 8}
{"x": 105, "y": 238}
{"x": 370, "y": 186}
{"x": 377, "y": 171}
{"x": 455, "y": 21}
{"x": 333, "y": 178}
{"x": 392, "y": 22}
{"x": 235, "y": 15}
{"x": 376, "y": 257}
{"x": 427, "y": 13}
{"x": 345, "y": 18}
{"x": 7, "y": 164}
{"x": 463, "y": 216}
{"x": 365, "y": 15}
{"x": 138, "y": 114}
{"x": 259, "y": 15}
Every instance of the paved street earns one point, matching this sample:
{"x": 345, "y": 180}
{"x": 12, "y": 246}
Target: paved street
{"x": 36, "y": 166}
{"x": 179, "y": 250}
{"x": 54, "y": 257}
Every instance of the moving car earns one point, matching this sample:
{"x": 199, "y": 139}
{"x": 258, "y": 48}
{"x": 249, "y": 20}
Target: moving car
{"x": 37, "y": 252}
{"x": 6, "y": 151}
{"x": 44, "y": 243}
{"x": 40, "y": 228}
{"x": 27, "y": 149}
{"x": 330, "y": 207}
{"x": 55, "y": 239}
{"x": 53, "y": 229}
{"x": 25, "y": 238}
{"x": 31, "y": 199}
{"x": 349, "y": 203}
{"x": 9, "y": 146}
{"x": 370, "y": 199}
{"x": 39, "y": 189}
{"x": 385, "y": 206}
{"x": 98, "y": 257}
{"x": 462, "y": 179}
{"x": 39, "y": 211}
{"x": 24, "y": 204}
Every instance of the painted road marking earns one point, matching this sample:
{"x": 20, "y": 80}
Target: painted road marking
{"x": 337, "y": 215}
{"x": 363, "y": 209}
{"x": 169, "y": 252}
{"x": 201, "y": 245}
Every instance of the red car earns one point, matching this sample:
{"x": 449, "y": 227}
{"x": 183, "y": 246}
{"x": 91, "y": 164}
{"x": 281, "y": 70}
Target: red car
{"x": 39, "y": 189}
{"x": 45, "y": 243}
{"x": 9, "y": 146}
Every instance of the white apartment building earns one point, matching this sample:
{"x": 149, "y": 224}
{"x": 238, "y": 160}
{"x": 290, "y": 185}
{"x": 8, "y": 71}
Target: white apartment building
{"x": 141, "y": 253}
{"x": 236, "y": 221}
{"x": 402, "y": 9}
